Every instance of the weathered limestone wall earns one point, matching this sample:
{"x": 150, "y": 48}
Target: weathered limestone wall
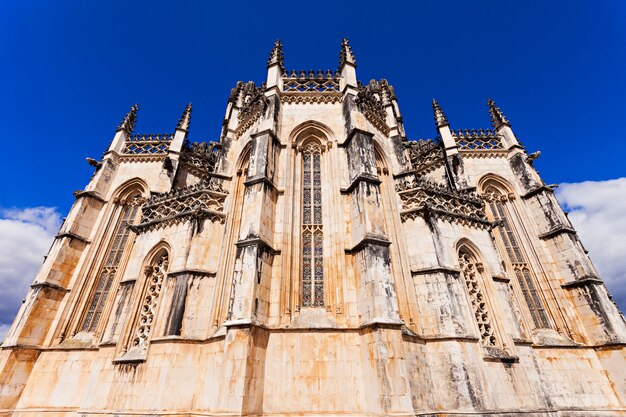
{"x": 398, "y": 332}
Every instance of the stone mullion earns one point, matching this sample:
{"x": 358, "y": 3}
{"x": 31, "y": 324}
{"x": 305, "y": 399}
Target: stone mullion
{"x": 518, "y": 262}
{"x": 78, "y": 299}
{"x": 331, "y": 218}
{"x": 254, "y": 235}
{"x": 403, "y": 269}
{"x": 370, "y": 246}
{"x": 288, "y": 232}
{"x": 561, "y": 313}
{"x": 227, "y": 259}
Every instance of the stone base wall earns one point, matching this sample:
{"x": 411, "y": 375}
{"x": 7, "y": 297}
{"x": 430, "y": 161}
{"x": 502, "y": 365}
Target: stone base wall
{"x": 370, "y": 371}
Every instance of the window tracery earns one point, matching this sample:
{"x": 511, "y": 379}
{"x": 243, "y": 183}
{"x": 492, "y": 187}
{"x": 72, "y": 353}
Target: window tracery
{"x": 109, "y": 269}
{"x": 312, "y": 228}
{"x": 471, "y": 271}
{"x": 521, "y": 268}
{"x": 155, "y": 273}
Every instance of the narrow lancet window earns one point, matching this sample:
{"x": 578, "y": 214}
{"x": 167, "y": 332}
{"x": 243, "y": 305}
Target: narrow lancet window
{"x": 516, "y": 258}
{"x": 472, "y": 270}
{"x": 109, "y": 269}
{"x": 312, "y": 229}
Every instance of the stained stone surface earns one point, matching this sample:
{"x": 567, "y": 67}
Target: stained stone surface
{"x": 316, "y": 261}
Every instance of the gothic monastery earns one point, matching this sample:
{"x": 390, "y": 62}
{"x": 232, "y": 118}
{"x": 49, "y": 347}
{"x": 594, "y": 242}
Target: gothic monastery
{"x": 314, "y": 262}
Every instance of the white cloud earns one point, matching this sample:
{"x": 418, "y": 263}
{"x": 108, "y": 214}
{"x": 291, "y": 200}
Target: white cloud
{"x": 26, "y": 236}
{"x": 598, "y": 212}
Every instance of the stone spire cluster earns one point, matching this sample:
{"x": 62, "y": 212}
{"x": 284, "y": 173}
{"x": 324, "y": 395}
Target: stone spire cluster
{"x": 277, "y": 56}
{"x": 346, "y": 56}
{"x": 495, "y": 115}
{"x": 185, "y": 119}
{"x": 315, "y": 261}
{"x": 130, "y": 120}
{"x": 440, "y": 116}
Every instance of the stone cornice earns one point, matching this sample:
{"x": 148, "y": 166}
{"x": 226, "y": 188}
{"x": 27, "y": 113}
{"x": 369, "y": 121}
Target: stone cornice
{"x": 263, "y": 179}
{"x": 537, "y": 190}
{"x": 257, "y": 241}
{"x": 72, "y": 236}
{"x": 436, "y": 269}
{"x": 190, "y": 271}
{"x": 584, "y": 281}
{"x": 363, "y": 177}
{"x": 351, "y": 135}
{"x": 557, "y": 231}
{"x": 88, "y": 194}
{"x": 49, "y": 285}
{"x": 368, "y": 240}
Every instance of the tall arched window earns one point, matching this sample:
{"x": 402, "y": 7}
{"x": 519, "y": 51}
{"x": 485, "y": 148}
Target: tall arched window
{"x": 127, "y": 211}
{"x": 471, "y": 271}
{"x": 497, "y": 202}
{"x": 155, "y": 274}
{"x": 312, "y": 228}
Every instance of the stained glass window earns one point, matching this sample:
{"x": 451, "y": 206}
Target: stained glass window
{"x": 517, "y": 259}
{"x": 312, "y": 229}
{"x": 107, "y": 272}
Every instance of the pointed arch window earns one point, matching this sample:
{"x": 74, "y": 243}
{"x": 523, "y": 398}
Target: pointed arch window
{"x": 471, "y": 271}
{"x": 155, "y": 274}
{"x": 107, "y": 272}
{"x": 515, "y": 256}
{"x": 312, "y": 228}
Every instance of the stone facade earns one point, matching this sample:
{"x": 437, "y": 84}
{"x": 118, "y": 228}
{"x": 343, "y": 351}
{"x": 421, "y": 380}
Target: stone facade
{"x": 315, "y": 261}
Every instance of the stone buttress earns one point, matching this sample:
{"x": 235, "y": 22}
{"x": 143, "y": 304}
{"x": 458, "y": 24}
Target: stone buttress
{"x": 315, "y": 261}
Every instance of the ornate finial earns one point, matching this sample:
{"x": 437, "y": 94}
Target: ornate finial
{"x": 277, "y": 57}
{"x": 346, "y": 55}
{"x": 440, "y": 116}
{"x": 185, "y": 119}
{"x": 128, "y": 124}
{"x": 495, "y": 114}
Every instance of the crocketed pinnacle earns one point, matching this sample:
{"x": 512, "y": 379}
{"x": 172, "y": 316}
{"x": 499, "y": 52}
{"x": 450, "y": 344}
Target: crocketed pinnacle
{"x": 128, "y": 124}
{"x": 440, "y": 116}
{"x": 346, "y": 55}
{"x": 495, "y": 114}
{"x": 185, "y": 119}
{"x": 277, "y": 57}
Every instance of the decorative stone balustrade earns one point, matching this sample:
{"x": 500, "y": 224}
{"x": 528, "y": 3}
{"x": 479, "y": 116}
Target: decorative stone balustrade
{"x": 425, "y": 154}
{"x": 148, "y": 144}
{"x": 477, "y": 140}
{"x": 197, "y": 202}
{"x": 427, "y": 199}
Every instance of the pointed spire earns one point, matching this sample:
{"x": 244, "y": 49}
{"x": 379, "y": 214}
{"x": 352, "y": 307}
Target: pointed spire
{"x": 277, "y": 57}
{"x": 440, "y": 117}
{"x": 346, "y": 56}
{"x": 185, "y": 119}
{"x": 128, "y": 124}
{"x": 495, "y": 114}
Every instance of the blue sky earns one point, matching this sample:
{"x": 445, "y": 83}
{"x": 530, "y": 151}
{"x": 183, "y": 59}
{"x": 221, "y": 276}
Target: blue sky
{"x": 71, "y": 69}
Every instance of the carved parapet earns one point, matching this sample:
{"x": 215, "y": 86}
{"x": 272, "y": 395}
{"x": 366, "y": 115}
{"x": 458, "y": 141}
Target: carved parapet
{"x": 204, "y": 200}
{"x": 371, "y": 101}
{"x": 200, "y": 158}
{"x": 425, "y": 155}
{"x": 148, "y": 144}
{"x": 312, "y": 98}
{"x": 311, "y": 81}
{"x": 252, "y": 102}
{"x": 426, "y": 199}
{"x": 477, "y": 140}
